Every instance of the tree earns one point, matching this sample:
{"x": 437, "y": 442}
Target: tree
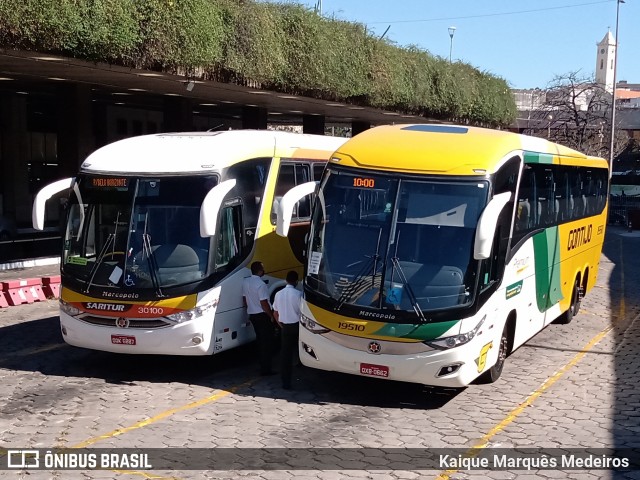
{"x": 576, "y": 112}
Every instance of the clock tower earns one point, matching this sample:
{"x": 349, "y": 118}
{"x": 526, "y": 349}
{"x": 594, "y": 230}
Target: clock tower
{"x": 604, "y": 62}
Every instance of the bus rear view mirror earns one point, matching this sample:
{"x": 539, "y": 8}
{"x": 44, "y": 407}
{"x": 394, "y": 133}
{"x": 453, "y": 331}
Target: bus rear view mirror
{"x": 211, "y": 207}
{"x": 286, "y": 204}
{"x": 487, "y": 226}
{"x": 39, "y": 203}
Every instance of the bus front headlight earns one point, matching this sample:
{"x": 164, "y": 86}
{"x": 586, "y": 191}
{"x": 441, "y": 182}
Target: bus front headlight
{"x": 69, "y": 309}
{"x": 192, "y": 314}
{"x": 312, "y": 325}
{"x": 456, "y": 340}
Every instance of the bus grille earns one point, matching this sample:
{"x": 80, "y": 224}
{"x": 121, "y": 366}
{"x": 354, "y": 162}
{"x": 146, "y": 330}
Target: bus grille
{"x": 133, "y": 322}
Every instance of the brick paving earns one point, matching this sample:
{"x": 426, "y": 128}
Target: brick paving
{"x": 55, "y": 395}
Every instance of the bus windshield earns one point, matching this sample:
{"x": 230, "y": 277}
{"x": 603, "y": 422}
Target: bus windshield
{"x": 136, "y": 233}
{"x": 395, "y": 243}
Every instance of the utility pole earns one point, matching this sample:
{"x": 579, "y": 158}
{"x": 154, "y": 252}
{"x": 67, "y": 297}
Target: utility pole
{"x": 613, "y": 96}
{"x": 452, "y": 30}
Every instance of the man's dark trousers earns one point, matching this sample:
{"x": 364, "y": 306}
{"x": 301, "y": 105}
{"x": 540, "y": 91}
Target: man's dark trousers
{"x": 290, "y": 333}
{"x": 264, "y": 329}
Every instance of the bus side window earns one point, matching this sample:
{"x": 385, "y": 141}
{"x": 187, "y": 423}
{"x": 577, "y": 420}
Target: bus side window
{"x": 601, "y": 190}
{"x": 590, "y": 191}
{"x": 565, "y": 199}
{"x": 527, "y": 208}
{"x": 318, "y": 168}
{"x": 303, "y": 175}
{"x": 579, "y": 199}
{"x": 290, "y": 175}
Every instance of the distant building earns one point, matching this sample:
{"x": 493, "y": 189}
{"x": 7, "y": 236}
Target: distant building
{"x": 627, "y": 96}
{"x": 605, "y": 62}
{"x": 529, "y": 99}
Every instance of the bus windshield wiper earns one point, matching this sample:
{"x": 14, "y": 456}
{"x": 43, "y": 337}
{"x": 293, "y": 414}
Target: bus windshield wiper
{"x": 151, "y": 258}
{"x": 111, "y": 242}
{"x": 395, "y": 264}
{"x": 362, "y": 276}
{"x": 103, "y": 253}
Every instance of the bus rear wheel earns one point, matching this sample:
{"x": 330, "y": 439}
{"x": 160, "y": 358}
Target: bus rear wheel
{"x": 574, "y": 308}
{"x": 493, "y": 374}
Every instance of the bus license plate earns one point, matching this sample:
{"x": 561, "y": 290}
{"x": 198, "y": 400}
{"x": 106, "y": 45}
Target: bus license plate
{"x": 374, "y": 370}
{"x": 123, "y": 339}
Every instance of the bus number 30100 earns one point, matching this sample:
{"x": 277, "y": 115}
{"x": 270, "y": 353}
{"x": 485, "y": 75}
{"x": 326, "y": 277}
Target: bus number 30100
{"x": 151, "y": 310}
{"x": 350, "y": 326}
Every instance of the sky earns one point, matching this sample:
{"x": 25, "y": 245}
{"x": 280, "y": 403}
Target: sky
{"x": 528, "y": 43}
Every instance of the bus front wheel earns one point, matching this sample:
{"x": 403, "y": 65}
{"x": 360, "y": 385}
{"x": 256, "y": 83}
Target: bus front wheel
{"x": 567, "y": 316}
{"x": 493, "y": 374}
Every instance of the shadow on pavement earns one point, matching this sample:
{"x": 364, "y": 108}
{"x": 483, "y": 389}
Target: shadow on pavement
{"x": 37, "y": 346}
{"x": 624, "y": 252}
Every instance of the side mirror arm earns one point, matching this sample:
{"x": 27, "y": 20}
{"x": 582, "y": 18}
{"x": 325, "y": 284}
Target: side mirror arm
{"x": 39, "y": 203}
{"x": 285, "y": 207}
{"x": 211, "y": 207}
{"x": 487, "y": 226}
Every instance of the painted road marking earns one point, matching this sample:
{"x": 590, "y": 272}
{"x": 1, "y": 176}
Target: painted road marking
{"x": 484, "y": 441}
{"x": 156, "y": 418}
{"x": 161, "y": 416}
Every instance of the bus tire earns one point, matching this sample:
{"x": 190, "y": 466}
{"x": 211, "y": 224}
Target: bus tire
{"x": 493, "y": 374}
{"x": 574, "y": 307}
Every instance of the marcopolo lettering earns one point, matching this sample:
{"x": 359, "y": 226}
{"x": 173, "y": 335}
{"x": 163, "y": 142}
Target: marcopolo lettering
{"x": 579, "y": 236}
{"x": 106, "y": 294}
{"x": 106, "y": 307}
{"x": 385, "y": 316}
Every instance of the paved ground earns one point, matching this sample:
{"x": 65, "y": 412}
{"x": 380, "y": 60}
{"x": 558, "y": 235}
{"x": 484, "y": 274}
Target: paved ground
{"x": 574, "y": 385}
{"x": 29, "y": 272}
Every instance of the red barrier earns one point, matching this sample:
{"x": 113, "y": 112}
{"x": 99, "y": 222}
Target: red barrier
{"x": 24, "y": 291}
{"x": 3, "y": 298}
{"x": 51, "y": 286}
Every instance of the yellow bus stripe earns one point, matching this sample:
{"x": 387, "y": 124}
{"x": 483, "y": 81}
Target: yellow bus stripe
{"x": 484, "y": 441}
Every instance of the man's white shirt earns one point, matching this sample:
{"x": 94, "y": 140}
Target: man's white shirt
{"x": 254, "y": 290}
{"x": 287, "y": 304}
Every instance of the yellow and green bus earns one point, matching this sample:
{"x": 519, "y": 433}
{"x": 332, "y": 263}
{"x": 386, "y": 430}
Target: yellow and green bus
{"x": 437, "y": 250}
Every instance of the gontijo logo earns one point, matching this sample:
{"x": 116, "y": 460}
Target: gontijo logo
{"x": 579, "y": 236}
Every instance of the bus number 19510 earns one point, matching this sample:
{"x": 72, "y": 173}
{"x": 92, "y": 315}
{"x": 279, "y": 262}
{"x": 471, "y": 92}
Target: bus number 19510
{"x": 350, "y": 326}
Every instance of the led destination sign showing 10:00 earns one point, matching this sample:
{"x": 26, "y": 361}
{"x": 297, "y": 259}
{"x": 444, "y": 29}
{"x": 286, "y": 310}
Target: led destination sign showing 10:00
{"x": 364, "y": 182}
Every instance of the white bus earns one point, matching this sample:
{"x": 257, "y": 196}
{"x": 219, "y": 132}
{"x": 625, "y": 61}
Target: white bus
{"x": 161, "y": 230}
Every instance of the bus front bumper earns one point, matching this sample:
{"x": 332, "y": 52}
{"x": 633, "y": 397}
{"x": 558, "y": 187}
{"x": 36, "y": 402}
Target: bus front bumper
{"x": 189, "y": 338}
{"x": 447, "y": 368}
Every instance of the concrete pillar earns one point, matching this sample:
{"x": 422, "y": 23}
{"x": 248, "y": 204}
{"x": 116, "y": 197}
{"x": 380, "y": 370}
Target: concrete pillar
{"x": 254, "y": 117}
{"x": 313, "y": 124}
{"x": 100, "y": 124}
{"x": 359, "y": 127}
{"x": 75, "y": 127}
{"x": 178, "y": 114}
{"x": 14, "y": 157}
